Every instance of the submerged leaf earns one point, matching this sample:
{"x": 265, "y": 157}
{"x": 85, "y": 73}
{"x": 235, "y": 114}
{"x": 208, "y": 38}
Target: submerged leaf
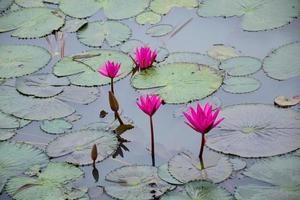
{"x": 5, "y": 4}
{"x": 56, "y": 126}
{"x": 164, "y": 6}
{"x": 159, "y": 30}
{"x": 239, "y": 85}
{"x": 80, "y": 95}
{"x": 256, "y": 130}
{"x": 73, "y": 25}
{"x": 222, "y": 52}
{"x": 9, "y": 121}
{"x": 148, "y": 17}
{"x": 6, "y": 134}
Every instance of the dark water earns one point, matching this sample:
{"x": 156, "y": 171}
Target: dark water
{"x": 171, "y": 133}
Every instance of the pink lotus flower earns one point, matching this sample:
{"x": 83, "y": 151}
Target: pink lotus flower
{"x": 202, "y": 121}
{"x": 144, "y": 57}
{"x": 110, "y": 69}
{"x": 150, "y": 104}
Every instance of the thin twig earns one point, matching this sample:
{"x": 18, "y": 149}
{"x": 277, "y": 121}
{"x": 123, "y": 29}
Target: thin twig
{"x": 181, "y": 27}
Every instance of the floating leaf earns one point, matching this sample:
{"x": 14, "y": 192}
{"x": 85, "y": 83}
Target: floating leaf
{"x": 131, "y": 45}
{"x": 237, "y": 164}
{"x": 30, "y": 3}
{"x": 5, "y": 4}
{"x": 6, "y": 134}
{"x": 222, "y": 52}
{"x": 76, "y": 146}
{"x": 179, "y": 82}
{"x": 95, "y": 33}
{"x": 198, "y": 190}
{"x": 256, "y": 130}
{"x": 79, "y": 8}
{"x": 164, "y": 174}
{"x": 16, "y": 158}
{"x": 56, "y": 126}
{"x": 9, "y": 121}
{"x": 286, "y": 102}
{"x": 159, "y": 30}
{"x": 73, "y": 25}
{"x": 136, "y": 183}
{"x": 148, "y": 17}
{"x": 164, "y": 6}
{"x": 73, "y": 118}
{"x": 191, "y": 57}
{"x": 284, "y": 62}
{"x": 257, "y": 15}
{"x": 162, "y": 54}
{"x": 185, "y": 167}
{"x": 82, "y": 68}
{"x": 20, "y": 60}
{"x": 41, "y": 85}
{"x": 31, "y": 22}
{"x": 241, "y": 66}
{"x": 79, "y": 94}
{"x": 239, "y": 85}
{"x": 30, "y": 108}
{"x": 283, "y": 175}
{"x": 50, "y": 184}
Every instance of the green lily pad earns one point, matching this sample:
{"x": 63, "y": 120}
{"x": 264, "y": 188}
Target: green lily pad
{"x": 130, "y": 46}
{"x": 148, "y": 17}
{"x": 198, "y": 190}
{"x": 16, "y": 158}
{"x": 237, "y": 164}
{"x": 136, "y": 183}
{"x": 10, "y": 122}
{"x": 239, "y": 85}
{"x": 162, "y": 54}
{"x": 41, "y": 85}
{"x": 297, "y": 153}
{"x": 20, "y": 60}
{"x": 284, "y": 62}
{"x": 185, "y": 167}
{"x": 179, "y": 82}
{"x": 5, "y": 4}
{"x": 191, "y": 57}
{"x": 257, "y": 15}
{"x": 159, "y": 30}
{"x": 56, "y": 126}
{"x": 30, "y": 3}
{"x": 241, "y": 66}
{"x": 31, "y": 22}
{"x": 164, "y": 174}
{"x": 255, "y": 130}
{"x": 77, "y": 146}
{"x": 164, "y": 6}
{"x": 283, "y": 175}
{"x": 50, "y": 184}
{"x": 79, "y": 8}
{"x": 222, "y": 52}
{"x": 6, "y": 134}
{"x": 82, "y": 68}
{"x": 73, "y": 25}
{"x": 81, "y": 95}
{"x": 95, "y": 33}
{"x": 30, "y": 108}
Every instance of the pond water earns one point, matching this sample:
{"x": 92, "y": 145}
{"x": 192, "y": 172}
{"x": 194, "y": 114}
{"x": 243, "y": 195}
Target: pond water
{"x": 172, "y": 135}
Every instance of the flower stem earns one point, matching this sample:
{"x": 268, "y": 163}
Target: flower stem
{"x": 112, "y": 85}
{"x": 117, "y": 115}
{"x": 201, "y": 151}
{"x": 152, "y": 142}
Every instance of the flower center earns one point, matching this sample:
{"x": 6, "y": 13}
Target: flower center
{"x": 248, "y": 130}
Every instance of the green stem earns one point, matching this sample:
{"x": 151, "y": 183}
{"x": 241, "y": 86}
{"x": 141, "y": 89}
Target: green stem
{"x": 152, "y": 142}
{"x": 112, "y": 85}
{"x": 201, "y": 152}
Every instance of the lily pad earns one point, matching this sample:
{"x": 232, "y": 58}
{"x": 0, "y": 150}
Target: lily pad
{"x": 164, "y": 6}
{"x": 198, "y": 190}
{"x": 82, "y": 68}
{"x": 281, "y": 172}
{"x": 185, "y": 167}
{"x": 136, "y": 183}
{"x": 130, "y": 46}
{"x": 50, "y": 184}
{"x": 284, "y": 62}
{"x": 31, "y": 22}
{"x": 79, "y": 95}
{"x": 148, "y": 17}
{"x": 56, "y": 126}
{"x": 16, "y": 158}
{"x": 256, "y": 130}
{"x": 76, "y": 146}
{"x": 286, "y": 102}
{"x": 159, "y": 30}
{"x": 30, "y": 3}
{"x": 95, "y": 33}
{"x": 5, "y": 4}
{"x": 239, "y": 85}
{"x": 191, "y": 57}
{"x": 79, "y": 8}
{"x": 237, "y": 164}
{"x": 73, "y": 25}
{"x": 20, "y": 60}
{"x": 222, "y": 52}
{"x": 179, "y": 82}
{"x": 41, "y": 85}
{"x": 257, "y": 15}
{"x": 162, "y": 54}
{"x": 241, "y": 66}
{"x": 10, "y": 122}
{"x": 6, "y": 134}
{"x": 164, "y": 174}
{"x": 30, "y": 108}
